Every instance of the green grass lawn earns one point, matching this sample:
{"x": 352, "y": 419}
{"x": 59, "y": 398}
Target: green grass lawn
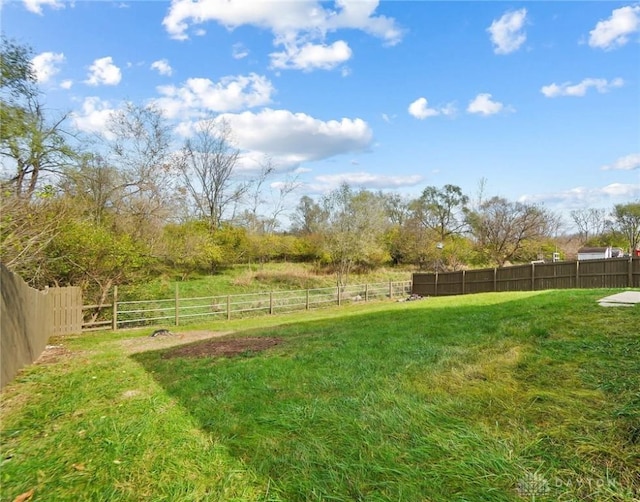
{"x": 492, "y": 397}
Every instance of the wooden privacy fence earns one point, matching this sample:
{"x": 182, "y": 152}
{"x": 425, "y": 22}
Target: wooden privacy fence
{"x": 177, "y": 310}
{"x": 605, "y": 273}
{"x": 29, "y": 317}
{"x": 66, "y": 310}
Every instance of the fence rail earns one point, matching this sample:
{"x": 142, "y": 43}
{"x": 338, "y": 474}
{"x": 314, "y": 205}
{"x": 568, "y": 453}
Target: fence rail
{"x": 177, "y": 310}
{"x": 605, "y": 273}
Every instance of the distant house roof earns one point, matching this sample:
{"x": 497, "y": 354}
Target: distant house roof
{"x": 593, "y": 250}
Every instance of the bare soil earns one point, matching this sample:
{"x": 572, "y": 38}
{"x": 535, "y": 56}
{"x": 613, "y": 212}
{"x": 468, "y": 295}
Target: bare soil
{"x": 52, "y": 354}
{"x": 224, "y": 348}
{"x": 212, "y": 344}
{"x": 145, "y": 343}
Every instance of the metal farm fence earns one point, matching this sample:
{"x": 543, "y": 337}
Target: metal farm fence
{"x": 177, "y": 310}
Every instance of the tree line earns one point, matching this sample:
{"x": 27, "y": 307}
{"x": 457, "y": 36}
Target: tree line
{"x": 130, "y": 205}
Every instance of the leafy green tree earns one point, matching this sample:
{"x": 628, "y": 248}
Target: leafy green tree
{"x": 96, "y": 258}
{"x": 416, "y": 244}
{"x": 32, "y": 145}
{"x": 354, "y": 232}
{"x": 33, "y": 151}
{"x": 626, "y": 219}
{"x": 234, "y": 243}
{"x": 190, "y": 247}
{"x": 430, "y": 226}
{"x": 441, "y": 210}
{"x": 396, "y": 207}
{"x": 27, "y": 227}
{"x": 96, "y": 188}
{"x": 17, "y": 76}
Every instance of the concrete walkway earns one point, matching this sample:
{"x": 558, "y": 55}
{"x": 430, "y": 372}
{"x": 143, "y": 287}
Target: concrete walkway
{"x": 625, "y": 299}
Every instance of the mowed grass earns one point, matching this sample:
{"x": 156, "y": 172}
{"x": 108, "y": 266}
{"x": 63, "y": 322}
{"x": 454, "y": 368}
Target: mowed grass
{"x": 496, "y": 397}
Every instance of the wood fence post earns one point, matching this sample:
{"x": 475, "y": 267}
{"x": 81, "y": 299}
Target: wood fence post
{"x": 495, "y": 279}
{"x": 435, "y": 285}
{"x": 533, "y": 277}
{"x": 177, "y": 306}
{"x": 228, "y": 307}
{"x": 270, "y": 302}
{"x": 339, "y": 296}
{"x": 306, "y": 307}
{"x": 114, "y": 317}
{"x": 366, "y": 292}
{"x": 577, "y": 274}
{"x": 630, "y": 272}
{"x": 390, "y": 290}
{"x": 463, "y": 279}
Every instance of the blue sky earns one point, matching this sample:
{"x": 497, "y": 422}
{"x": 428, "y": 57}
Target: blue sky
{"x": 541, "y": 99}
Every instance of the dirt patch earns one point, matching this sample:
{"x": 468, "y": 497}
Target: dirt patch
{"x": 52, "y": 354}
{"x": 224, "y": 348}
{"x": 147, "y": 342}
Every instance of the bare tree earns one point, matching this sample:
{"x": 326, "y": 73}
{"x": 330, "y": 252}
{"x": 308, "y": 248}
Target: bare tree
{"x": 590, "y": 222}
{"x": 309, "y": 216}
{"x": 280, "y": 192}
{"x": 209, "y": 163}
{"x": 139, "y": 146}
{"x": 267, "y": 202}
{"x": 140, "y": 151}
{"x": 501, "y": 227}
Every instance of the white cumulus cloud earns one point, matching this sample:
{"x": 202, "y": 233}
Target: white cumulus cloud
{"x": 306, "y": 17}
{"x": 66, "y": 84}
{"x": 568, "y": 89}
{"x": 35, "y": 6}
{"x": 292, "y": 138}
{"x": 163, "y": 67}
{"x": 507, "y": 33}
{"x": 103, "y": 72}
{"x": 299, "y": 27}
{"x": 484, "y": 105}
{"x": 626, "y": 163}
{"x": 311, "y": 56}
{"x": 198, "y": 96}
{"x": 289, "y": 139}
{"x": 420, "y": 110}
{"x": 46, "y": 65}
{"x": 615, "y": 31}
{"x": 94, "y": 116}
